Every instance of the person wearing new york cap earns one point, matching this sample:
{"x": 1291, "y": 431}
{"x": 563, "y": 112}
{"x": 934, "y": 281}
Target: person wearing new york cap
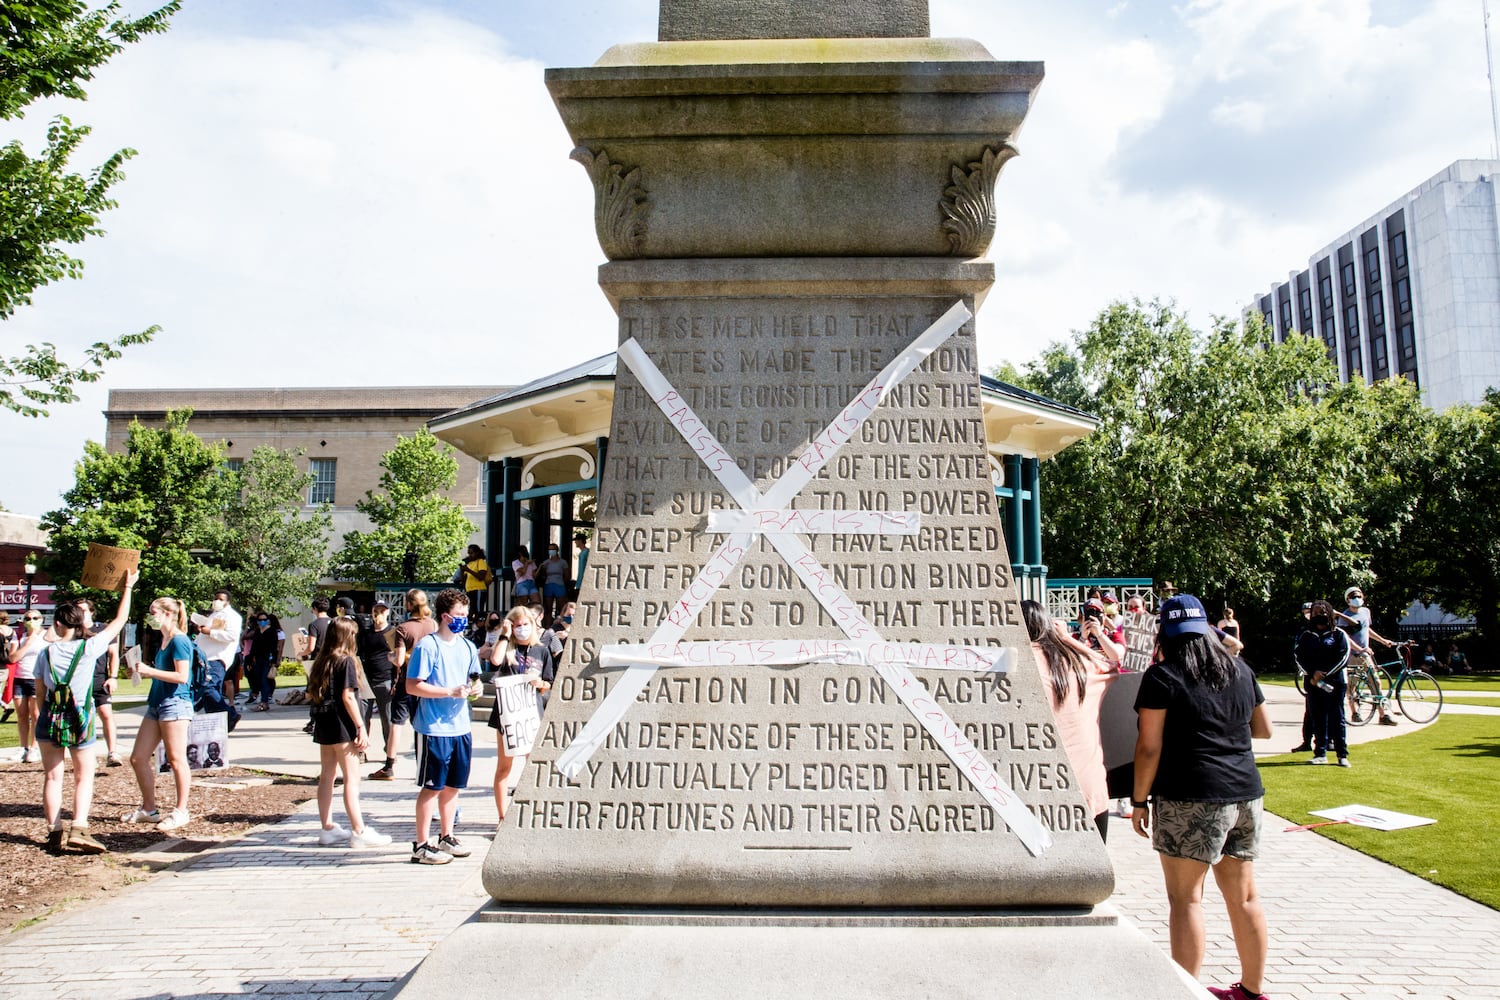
{"x": 1197, "y": 709}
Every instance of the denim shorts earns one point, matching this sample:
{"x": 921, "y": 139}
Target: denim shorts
{"x": 1206, "y": 831}
{"x": 171, "y": 710}
{"x": 525, "y": 588}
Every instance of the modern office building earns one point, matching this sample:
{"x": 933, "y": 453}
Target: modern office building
{"x": 1413, "y": 291}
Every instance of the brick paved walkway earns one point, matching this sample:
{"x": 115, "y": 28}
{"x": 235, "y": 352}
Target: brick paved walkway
{"x": 308, "y": 920}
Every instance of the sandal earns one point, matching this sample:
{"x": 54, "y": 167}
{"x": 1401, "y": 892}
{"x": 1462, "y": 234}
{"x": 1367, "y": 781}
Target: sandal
{"x": 175, "y": 819}
{"x": 142, "y": 816}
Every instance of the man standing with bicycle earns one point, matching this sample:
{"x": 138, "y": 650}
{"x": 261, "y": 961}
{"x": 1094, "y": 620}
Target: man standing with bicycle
{"x": 1356, "y": 622}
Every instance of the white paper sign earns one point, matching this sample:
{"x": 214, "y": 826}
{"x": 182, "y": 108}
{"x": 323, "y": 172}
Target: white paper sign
{"x": 515, "y": 699}
{"x": 207, "y": 743}
{"x": 1376, "y": 819}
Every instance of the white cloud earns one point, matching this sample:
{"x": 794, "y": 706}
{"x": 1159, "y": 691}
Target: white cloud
{"x": 386, "y": 201}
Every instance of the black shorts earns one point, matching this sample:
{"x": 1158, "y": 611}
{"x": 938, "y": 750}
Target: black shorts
{"x": 400, "y": 707}
{"x": 101, "y": 696}
{"x": 332, "y": 725}
{"x": 25, "y": 687}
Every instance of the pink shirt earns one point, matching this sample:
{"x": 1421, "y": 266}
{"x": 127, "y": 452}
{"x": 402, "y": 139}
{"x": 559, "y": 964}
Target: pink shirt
{"x": 1078, "y": 725}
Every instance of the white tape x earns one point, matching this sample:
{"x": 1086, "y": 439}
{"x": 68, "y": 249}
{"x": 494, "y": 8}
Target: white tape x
{"x": 893, "y": 670}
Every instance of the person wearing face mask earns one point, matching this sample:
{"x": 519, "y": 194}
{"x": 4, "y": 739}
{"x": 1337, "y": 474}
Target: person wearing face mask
{"x": 523, "y": 654}
{"x": 555, "y": 582}
{"x": 1356, "y": 623}
{"x": 218, "y": 634}
{"x": 77, "y": 646}
{"x": 442, "y": 675}
{"x": 169, "y": 712}
{"x": 23, "y": 656}
{"x": 265, "y": 656}
{"x": 419, "y": 623}
{"x": 1323, "y": 651}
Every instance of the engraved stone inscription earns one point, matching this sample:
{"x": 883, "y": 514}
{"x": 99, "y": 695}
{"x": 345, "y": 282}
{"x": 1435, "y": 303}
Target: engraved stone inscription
{"x": 729, "y": 764}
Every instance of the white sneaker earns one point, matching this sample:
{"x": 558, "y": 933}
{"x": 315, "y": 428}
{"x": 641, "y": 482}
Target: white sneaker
{"x": 332, "y": 836}
{"x": 1319, "y": 760}
{"x": 368, "y": 837}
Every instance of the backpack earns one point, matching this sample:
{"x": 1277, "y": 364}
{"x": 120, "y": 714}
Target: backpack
{"x": 68, "y": 724}
{"x": 198, "y": 677}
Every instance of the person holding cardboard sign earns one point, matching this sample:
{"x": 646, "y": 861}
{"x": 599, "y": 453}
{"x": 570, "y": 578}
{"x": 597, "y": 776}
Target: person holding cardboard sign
{"x": 58, "y": 665}
{"x": 169, "y": 712}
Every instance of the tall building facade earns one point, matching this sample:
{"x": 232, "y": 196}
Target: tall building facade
{"x": 1412, "y": 291}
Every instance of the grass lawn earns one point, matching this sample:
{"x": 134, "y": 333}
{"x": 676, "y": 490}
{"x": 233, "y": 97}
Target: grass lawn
{"x": 1485, "y": 702}
{"x": 1448, "y": 772}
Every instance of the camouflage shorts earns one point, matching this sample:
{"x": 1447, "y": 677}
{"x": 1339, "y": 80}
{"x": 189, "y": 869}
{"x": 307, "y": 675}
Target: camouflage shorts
{"x": 1206, "y": 831}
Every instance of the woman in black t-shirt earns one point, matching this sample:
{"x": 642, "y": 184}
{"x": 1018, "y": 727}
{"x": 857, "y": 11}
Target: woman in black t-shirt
{"x": 1198, "y": 708}
{"x": 338, "y": 728}
{"x": 519, "y": 653}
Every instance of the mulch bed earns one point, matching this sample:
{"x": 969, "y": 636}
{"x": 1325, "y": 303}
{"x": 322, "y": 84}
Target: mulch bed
{"x": 37, "y": 883}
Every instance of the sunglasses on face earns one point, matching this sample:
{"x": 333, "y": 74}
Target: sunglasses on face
{"x": 33, "y": 618}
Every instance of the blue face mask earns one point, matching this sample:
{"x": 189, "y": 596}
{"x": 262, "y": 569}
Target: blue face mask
{"x": 457, "y": 624}
{"x": 567, "y": 619}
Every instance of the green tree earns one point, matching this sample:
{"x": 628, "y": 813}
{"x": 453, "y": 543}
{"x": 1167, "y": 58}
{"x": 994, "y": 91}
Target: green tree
{"x": 1238, "y": 467}
{"x": 411, "y": 512}
{"x": 165, "y": 494}
{"x": 1453, "y": 548}
{"x": 275, "y": 554}
{"x": 50, "y": 49}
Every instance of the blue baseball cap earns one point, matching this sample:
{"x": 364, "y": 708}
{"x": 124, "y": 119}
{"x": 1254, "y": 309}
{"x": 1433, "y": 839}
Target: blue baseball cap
{"x": 1182, "y": 613}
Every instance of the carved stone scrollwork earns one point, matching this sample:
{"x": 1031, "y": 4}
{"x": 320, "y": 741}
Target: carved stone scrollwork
{"x": 969, "y": 202}
{"x": 620, "y": 204}
{"x": 586, "y": 465}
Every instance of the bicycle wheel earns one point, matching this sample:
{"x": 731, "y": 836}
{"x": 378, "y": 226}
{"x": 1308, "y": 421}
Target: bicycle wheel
{"x": 1366, "y": 700}
{"x": 1419, "y": 696}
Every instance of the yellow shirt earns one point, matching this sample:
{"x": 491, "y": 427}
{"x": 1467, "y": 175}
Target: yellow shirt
{"x": 476, "y": 573}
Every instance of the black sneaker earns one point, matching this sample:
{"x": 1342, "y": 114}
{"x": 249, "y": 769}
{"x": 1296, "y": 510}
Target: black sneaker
{"x": 57, "y": 841}
{"x": 450, "y": 844}
{"x": 427, "y": 854}
{"x": 1300, "y": 748}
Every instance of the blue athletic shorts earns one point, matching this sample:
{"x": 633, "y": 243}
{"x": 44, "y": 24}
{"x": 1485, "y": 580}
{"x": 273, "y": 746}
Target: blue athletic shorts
{"x": 443, "y": 761}
{"x": 555, "y": 590}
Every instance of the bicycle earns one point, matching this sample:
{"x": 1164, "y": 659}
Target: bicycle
{"x": 1415, "y": 691}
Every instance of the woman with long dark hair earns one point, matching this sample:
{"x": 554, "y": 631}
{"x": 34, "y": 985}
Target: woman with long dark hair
{"x": 1075, "y": 676}
{"x": 1197, "y": 710}
{"x": 340, "y": 733}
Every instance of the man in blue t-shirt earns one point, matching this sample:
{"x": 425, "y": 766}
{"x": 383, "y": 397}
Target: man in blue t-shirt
{"x": 442, "y": 676}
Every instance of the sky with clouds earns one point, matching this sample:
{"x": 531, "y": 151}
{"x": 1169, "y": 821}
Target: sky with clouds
{"x": 346, "y": 192}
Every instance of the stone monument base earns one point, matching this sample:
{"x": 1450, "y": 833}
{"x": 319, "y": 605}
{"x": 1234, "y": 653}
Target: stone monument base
{"x": 620, "y": 954}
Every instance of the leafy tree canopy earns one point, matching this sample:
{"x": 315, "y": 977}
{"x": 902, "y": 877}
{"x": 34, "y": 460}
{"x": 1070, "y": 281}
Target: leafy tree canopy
{"x": 410, "y": 512}
{"x": 275, "y": 553}
{"x": 50, "y": 49}
{"x": 1239, "y": 468}
{"x": 165, "y": 494}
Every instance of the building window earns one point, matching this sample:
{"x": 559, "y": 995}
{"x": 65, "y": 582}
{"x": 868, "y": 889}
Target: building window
{"x": 1351, "y": 322}
{"x": 1377, "y": 353}
{"x": 1403, "y": 296}
{"x": 1406, "y": 337}
{"x": 1356, "y": 368}
{"x": 1325, "y": 291}
{"x": 1348, "y": 274}
{"x": 1377, "y": 309}
{"x": 1328, "y": 334}
{"x": 325, "y": 475}
{"x": 1398, "y": 251}
{"x": 1372, "y": 265}
{"x": 234, "y": 464}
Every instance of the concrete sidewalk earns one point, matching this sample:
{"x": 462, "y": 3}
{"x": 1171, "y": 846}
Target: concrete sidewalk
{"x": 273, "y": 913}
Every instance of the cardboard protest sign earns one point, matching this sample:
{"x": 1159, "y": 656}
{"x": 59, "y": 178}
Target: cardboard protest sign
{"x": 1140, "y": 640}
{"x": 515, "y": 700}
{"x": 105, "y": 566}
